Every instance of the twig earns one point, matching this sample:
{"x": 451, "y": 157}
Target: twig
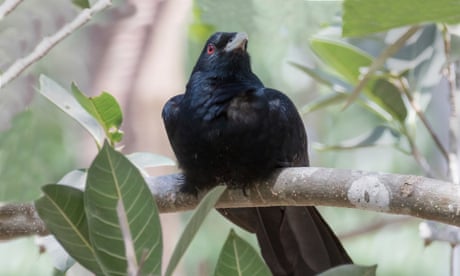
{"x": 419, "y": 158}
{"x": 449, "y": 73}
{"x": 452, "y": 261}
{"x": 366, "y": 229}
{"x": 49, "y": 42}
{"x": 7, "y": 7}
{"x": 433, "y": 231}
{"x": 380, "y": 61}
{"x": 422, "y": 117}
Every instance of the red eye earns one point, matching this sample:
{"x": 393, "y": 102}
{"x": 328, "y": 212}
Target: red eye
{"x": 211, "y": 48}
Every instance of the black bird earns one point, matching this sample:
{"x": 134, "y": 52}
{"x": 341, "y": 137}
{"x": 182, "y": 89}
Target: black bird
{"x": 228, "y": 128}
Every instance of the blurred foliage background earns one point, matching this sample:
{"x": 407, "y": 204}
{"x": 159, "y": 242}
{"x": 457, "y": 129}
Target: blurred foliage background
{"x": 142, "y": 52}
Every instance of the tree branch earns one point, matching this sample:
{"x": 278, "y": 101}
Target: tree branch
{"x": 49, "y": 42}
{"x": 390, "y": 193}
{"x": 7, "y": 7}
{"x": 17, "y": 220}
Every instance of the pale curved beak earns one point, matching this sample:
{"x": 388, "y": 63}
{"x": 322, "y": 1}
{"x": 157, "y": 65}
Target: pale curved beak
{"x": 239, "y": 41}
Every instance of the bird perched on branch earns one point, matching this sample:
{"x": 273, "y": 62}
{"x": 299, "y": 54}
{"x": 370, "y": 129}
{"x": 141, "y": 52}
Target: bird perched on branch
{"x": 228, "y": 128}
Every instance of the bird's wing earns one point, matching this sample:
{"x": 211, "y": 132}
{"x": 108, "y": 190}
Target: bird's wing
{"x": 284, "y": 113}
{"x": 170, "y": 115}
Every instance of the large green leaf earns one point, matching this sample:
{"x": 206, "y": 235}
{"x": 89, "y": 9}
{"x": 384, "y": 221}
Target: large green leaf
{"x": 350, "y": 270}
{"x": 105, "y": 109}
{"x": 205, "y": 206}
{"x": 347, "y": 60}
{"x": 67, "y": 103}
{"x": 61, "y": 208}
{"x": 238, "y": 257}
{"x": 362, "y": 17}
{"x": 111, "y": 177}
{"x": 387, "y": 95}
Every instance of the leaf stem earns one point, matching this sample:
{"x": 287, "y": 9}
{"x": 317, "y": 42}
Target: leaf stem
{"x": 418, "y": 156}
{"x": 422, "y": 117}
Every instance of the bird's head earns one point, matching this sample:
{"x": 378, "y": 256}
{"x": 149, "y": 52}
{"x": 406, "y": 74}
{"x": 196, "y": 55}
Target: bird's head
{"x": 224, "y": 54}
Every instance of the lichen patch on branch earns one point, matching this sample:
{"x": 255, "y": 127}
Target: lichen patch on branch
{"x": 369, "y": 193}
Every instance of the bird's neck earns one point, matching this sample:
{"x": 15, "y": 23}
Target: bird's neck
{"x": 208, "y": 94}
{"x": 211, "y": 80}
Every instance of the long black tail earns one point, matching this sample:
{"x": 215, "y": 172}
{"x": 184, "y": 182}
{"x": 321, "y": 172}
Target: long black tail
{"x": 293, "y": 240}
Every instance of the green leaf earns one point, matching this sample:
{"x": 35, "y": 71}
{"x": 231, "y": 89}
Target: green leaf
{"x": 363, "y": 17}
{"x": 348, "y": 61}
{"x": 389, "y": 97}
{"x": 345, "y": 59}
{"x": 57, "y": 272}
{"x": 115, "y": 135}
{"x": 365, "y": 140}
{"x": 112, "y": 177}
{"x": 315, "y": 73}
{"x": 238, "y": 257}
{"x": 324, "y": 101}
{"x": 148, "y": 160}
{"x": 205, "y": 206}
{"x": 84, "y": 4}
{"x": 67, "y": 103}
{"x": 329, "y": 80}
{"x": 350, "y": 270}
{"x": 105, "y": 109}
{"x": 61, "y": 208}
{"x": 83, "y": 100}
{"x": 108, "y": 111}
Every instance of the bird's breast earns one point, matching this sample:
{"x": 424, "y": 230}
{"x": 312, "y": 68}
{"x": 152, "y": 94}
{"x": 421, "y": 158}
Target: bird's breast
{"x": 230, "y": 139}
{"x": 245, "y": 110}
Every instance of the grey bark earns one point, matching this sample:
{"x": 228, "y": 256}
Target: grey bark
{"x": 382, "y": 192}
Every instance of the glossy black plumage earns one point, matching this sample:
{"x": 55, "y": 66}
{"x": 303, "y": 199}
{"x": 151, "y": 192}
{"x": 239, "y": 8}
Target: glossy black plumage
{"x": 227, "y": 127}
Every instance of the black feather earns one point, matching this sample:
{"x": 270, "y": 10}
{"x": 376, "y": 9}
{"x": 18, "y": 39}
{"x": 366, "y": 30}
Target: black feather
{"x": 228, "y": 128}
